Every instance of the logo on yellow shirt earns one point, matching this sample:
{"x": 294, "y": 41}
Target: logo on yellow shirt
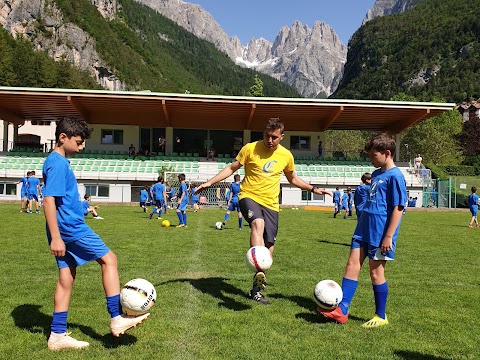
{"x": 268, "y": 166}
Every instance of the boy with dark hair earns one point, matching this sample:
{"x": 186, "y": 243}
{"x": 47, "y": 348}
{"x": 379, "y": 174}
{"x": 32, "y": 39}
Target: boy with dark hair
{"x": 160, "y": 197}
{"x": 376, "y": 233}
{"x": 144, "y": 198}
{"x": 182, "y": 202}
{"x": 23, "y": 192}
{"x": 265, "y": 161}
{"x": 232, "y": 201}
{"x": 72, "y": 242}
{"x": 473, "y": 204}
{"x": 33, "y": 186}
{"x": 337, "y": 198}
{"x": 361, "y": 194}
{"x": 90, "y": 209}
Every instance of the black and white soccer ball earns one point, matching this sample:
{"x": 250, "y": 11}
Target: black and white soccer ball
{"x": 219, "y": 225}
{"x": 137, "y": 296}
{"x": 327, "y": 294}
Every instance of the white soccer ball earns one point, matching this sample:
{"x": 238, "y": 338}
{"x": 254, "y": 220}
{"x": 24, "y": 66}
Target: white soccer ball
{"x": 327, "y": 294}
{"x": 137, "y": 296}
{"x": 219, "y": 225}
{"x": 258, "y": 258}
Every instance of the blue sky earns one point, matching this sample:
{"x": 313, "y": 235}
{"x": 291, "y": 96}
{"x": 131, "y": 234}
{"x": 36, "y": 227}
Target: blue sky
{"x": 264, "y": 18}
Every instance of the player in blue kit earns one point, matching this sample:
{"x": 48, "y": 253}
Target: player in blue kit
{"x": 195, "y": 198}
{"x": 144, "y": 198}
{"x": 376, "y": 233}
{"x": 87, "y": 209}
{"x": 344, "y": 203}
{"x": 72, "y": 242}
{"x": 160, "y": 197}
{"x": 337, "y": 198}
{"x": 232, "y": 202}
{"x": 33, "y": 186}
{"x": 182, "y": 202}
{"x": 23, "y": 192}
{"x": 361, "y": 194}
{"x": 473, "y": 204}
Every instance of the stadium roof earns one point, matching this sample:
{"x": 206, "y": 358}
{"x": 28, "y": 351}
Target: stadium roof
{"x": 151, "y": 109}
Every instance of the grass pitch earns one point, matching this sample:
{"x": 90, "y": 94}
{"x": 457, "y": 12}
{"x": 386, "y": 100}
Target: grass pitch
{"x": 201, "y": 279}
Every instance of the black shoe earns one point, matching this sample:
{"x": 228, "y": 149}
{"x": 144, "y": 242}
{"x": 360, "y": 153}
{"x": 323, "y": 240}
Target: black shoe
{"x": 258, "y": 297}
{"x": 151, "y": 214}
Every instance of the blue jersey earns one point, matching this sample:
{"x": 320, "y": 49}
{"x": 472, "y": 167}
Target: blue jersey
{"x": 183, "y": 190}
{"x": 344, "y": 200}
{"x": 60, "y": 183}
{"x": 32, "y": 185}
{"x": 143, "y": 195}
{"x": 172, "y": 192}
{"x": 337, "y": 195}
{"x": 85, "y": 206}
{"x": 195, "y": 197}
{"x": 159, "y": 190}
{"x": 472, "y": 199}
{"x": 23, "y": 189}
{"x": 388, "y": 189}
{"x": 360, "y": 197}
{"x": 234, "y": 190}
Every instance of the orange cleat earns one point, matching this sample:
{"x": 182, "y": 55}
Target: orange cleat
{"x": 335, "y": 314}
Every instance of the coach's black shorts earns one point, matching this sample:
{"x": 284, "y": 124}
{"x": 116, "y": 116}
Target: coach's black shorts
{"x": 251, "y": 210}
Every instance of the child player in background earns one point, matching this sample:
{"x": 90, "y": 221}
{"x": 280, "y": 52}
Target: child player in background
{"x": 232, "y": 202}
{"x": 182, "y": 202}
{"x": 473, "y": 204}
{"x": 144, "y": 198}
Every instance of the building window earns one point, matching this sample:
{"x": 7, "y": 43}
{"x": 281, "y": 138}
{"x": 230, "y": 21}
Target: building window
{"x": 300, "y": 142}
{"x": 95, "y": 190}
{"x": 308, "y": 196}
{"x": 41, "y": 122}
{"x": 8, "y": 189}
{"x": 112, "y": 137}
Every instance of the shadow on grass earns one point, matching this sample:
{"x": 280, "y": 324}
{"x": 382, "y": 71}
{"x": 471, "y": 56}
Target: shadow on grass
{"x": 29, "y": 317}
{"x": 333, "y": 243}
{"x": 413, "y": 355}
{"x": 218, "y": 288}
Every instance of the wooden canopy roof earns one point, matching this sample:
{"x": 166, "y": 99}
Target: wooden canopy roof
{"x": 151, "y": 109}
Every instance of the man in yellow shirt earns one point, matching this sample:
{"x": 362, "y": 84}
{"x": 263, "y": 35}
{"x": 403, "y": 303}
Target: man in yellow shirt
{"x": 264, "y": 162}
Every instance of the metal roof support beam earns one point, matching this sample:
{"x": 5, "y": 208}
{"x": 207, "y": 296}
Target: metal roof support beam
{"x": 250, "y": 117}
{"x": 11, "y": 117}
{"x": 165, "y": 113}
{"x": 78, "y": 108}
{"x": 419, "y": 116}
{"x": 331, "y": 118}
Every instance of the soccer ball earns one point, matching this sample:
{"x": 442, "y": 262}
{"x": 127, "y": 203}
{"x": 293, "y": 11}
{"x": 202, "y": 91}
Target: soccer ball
{"x": 219, "y": 225}
{"x": 137, "y": 296}
{"x": 165, "y": 223}
{"x": 327, "y": 294}
{"x": 258, "y": 258}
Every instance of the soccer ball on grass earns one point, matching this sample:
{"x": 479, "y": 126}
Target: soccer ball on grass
{"x": 219, "y": 225}
{"x": 258, "y": 258}
{"x": 137, "y": 296}
{"x": 327, "y": 294}
{"x": 165, "y": 223}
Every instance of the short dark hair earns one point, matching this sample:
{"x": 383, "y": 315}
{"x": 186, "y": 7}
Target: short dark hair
{"x": 236, "y": 177}
{"x": 381, "y": 142}
{"x": 181, "y": 177}
{"x": 366, "y": 176}
{"x": 86, "y": 196}
{"x": 160, "y": 179}
{"x": 72, "y": 126}
{"x": 274, "y": 124}
{"x": 474, "y": 189}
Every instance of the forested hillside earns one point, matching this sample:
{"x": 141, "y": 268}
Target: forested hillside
{"x": 431, "y": 51}
{"x": 21, "y": 66}
{"x": 148, "y": 51}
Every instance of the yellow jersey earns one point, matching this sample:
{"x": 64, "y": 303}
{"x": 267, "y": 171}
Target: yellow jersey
{"x": 263, "y": 171}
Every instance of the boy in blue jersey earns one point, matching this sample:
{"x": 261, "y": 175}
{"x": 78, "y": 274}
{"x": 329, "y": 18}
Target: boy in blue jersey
{"x": 473, "y": 204}
{"x": 72, "y": 242}
{"x": 376, "y": 233}
{"x": 361, "y": 194}
{"x": 337, "y": 198}
{"x": 160, "y": 197}
{"x": 165, "y": 204}
{"x": 87, "y": 209}
{"x": 195, "y": 198}
{"x": 23, "y": 192}
{"x": 33, "y": 186}
{"x": 182, "y": 202}
{"x": 172, "y": 196}
{"x": 144, "y": 198}
{"x": 344, "y": 203}
{"x": 232, "y": 202}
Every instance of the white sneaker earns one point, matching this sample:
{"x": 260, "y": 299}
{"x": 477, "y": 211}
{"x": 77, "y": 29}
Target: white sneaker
{"x": 98, "y": 217}
{"x": 64, "y": 341}
{"x": 121, "y": 323}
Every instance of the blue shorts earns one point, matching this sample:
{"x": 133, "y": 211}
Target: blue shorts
{"x": 194, "y": 202}
{"x": 159, "y": 203}
{"x": 474, "y": 210}
{"x": 234, "y": 206}
{"x": 142, "y": 203}
{"x": 32, "y": 197}
{"x": 23, "y": 194}
{"x": 82, "y": 251}
{"x": 182, "y": 206}
{"x": 373, "y": 252}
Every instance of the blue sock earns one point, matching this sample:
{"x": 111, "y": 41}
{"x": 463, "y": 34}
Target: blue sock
{"x": 159, "y": 212}
{"x": 348, "y": 287}
{"x": 113, "y": 305}
{"x": 226, "y": 217}
{"x": 59, "y": 322}
{"x": 240, "y": 222}
{"x": 180, "y": 217}
{"x": 184, "y": 218}
{"x": 164, "y": 208}
{"x": 380, "y": 293}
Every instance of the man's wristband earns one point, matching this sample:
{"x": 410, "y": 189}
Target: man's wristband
{"x": 313, "y": 189}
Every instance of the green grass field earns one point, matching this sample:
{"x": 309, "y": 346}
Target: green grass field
{"x": 201, "y": 279}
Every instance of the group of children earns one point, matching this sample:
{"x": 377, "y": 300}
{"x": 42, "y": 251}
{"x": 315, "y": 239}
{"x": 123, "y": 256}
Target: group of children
{"x": 30, "y": 192}
{"x": 349, "y": 199}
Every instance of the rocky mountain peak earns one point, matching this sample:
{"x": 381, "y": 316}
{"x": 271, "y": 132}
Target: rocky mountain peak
{"x": 388, "y": 7}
